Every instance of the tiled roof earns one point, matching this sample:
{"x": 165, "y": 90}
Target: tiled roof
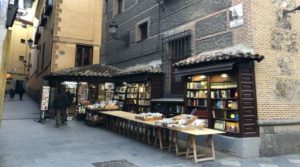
{"x": 235, "y": 52}
{"x": 139, "y": 70}
{"x": 96, "y": 70}
{"x": 151, "y": 67}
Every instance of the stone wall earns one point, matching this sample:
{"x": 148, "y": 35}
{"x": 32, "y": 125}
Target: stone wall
{"x": 278, "y": 76}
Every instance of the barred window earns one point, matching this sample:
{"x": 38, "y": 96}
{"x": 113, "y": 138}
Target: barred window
{"x": 179, "y": 49}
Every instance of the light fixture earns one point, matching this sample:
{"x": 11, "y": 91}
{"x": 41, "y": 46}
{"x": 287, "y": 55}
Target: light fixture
{"x": 285, "y": 12}
{"x": 202, "y": 76}
{"x": 30, "y": 42}
{"x": 224, "y": 75}
{"x": 113, "y": 28}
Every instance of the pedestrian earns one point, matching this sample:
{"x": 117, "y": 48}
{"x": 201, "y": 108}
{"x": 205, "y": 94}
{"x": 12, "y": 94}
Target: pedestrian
{"x": 21, "y": 91}
{"x": 12, "y": 93}
{"x": 60, "y": 104}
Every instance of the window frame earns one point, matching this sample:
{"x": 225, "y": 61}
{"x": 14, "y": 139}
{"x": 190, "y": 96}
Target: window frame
{"x": 185, "y": 44}
{"x": 138, "y": 33}
{"x": 84, "y": 49}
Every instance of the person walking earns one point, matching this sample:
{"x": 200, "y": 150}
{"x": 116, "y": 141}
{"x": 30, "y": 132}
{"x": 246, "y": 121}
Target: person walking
{"x": 12, "y": 93}
{"x": 60, "y": 104}
{"x": 21, "y": 91}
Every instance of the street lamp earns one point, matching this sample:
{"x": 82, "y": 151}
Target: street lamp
{"x": 285, "y": 12}
{"x": 30, "y": 42}
{"x": 113, "y": 29}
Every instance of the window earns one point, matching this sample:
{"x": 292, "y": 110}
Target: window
{"x": 21, "y": 58}
{"x": 142, "y": 30}
{"x": 179, "y": 49}
{"x": 106, "y": 6}
{"x": 84, "y": 55}
{"x": 119, "y": 6}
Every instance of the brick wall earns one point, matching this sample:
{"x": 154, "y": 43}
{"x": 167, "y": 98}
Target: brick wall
{"x": 278, "y": 76}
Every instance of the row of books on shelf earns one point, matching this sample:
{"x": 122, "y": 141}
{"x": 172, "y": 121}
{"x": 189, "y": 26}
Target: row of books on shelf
{"x": 119, "y": 97}
{"x": 197, "y": 85}
{"x": 132, "y": 90}
{"x": 121, "y": 89}
{"x": 143, "y": 89}
{"x": 144, "y": 95}
{"x": 197, "y": 94}
{"x": 131, "y": 101}
{"x": 144, "y": 102}
{"x": 228, "y": 104}
{"x": 232, "y": 127}
{"x": 225, "y": 115}
{"x": 223, "y": 85}
{"x": 224, "y": 94}
{"x": 132, "y": 95}
{"x": 197, "y": 102}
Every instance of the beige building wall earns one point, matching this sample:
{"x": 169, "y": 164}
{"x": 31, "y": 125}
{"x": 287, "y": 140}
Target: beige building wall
{"x": 15, "y": 50}
{"x": 68, "y": 25}
{"x": 278, "y": 76}
{"x": 76, "y": 23}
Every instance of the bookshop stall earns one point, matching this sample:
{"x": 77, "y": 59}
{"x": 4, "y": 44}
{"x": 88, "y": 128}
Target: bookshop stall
{"x": 135, "y": 87}
{"x": 90, "y": 86}
{"x": 220, "y": 87}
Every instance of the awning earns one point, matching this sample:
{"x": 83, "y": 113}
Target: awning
{"x": 226, "y": 54}
{"x": 96, "y": 70}
{"x": 205, "y": 69}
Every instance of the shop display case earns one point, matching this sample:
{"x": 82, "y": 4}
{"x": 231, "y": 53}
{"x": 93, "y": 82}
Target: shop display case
{"x": 227, "y": 99}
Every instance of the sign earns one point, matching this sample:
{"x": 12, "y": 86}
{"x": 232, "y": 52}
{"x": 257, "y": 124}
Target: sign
{"x": 236, "y": 15}
{"x": 45, "y": 98}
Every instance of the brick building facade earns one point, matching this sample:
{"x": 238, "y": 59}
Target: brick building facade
{"x": 149, "y": 30}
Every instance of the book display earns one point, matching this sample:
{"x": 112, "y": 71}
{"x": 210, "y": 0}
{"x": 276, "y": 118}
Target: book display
{"x": 138, "y": 96}
{"x": 101, "y": 92}
{"x": 144, "y": 97}
{"x": 224, "y": 106}
{"x": 196, "y": 96}
{"x": 224, "y": 99}
{"x": 120, "y": 95}
{"x": 82, "y": 91}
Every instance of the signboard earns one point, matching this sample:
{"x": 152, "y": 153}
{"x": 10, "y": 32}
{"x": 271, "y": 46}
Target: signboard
{"x": 236, "y": 15}
{"x": 45, "y": 98}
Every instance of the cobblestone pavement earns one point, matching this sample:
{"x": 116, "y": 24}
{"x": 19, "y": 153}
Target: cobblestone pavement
{"x": 26, "y": 143}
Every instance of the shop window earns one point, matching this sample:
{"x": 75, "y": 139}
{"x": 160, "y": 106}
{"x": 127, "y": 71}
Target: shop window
{"x": 142, "y": 30}
{"x": 84, "y": 55}
{"x": 179, "y": 49}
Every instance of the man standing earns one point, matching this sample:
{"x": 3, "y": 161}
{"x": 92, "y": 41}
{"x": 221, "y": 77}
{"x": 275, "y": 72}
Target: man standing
{"x": 21, "y": 91}
{"x": 61, "y": 103}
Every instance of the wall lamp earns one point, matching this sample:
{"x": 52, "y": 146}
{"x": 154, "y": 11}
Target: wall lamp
{"x": 285, "y": 12}
{"x": 113, "y": 29}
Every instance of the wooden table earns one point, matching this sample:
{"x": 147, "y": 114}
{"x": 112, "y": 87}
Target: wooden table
{"x": 191, "y": 149}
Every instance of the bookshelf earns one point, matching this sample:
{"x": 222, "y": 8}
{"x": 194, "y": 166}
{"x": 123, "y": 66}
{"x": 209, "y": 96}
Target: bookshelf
{"x": 215, "y": 97}
{"x": 197, "y": 96}
{"x": 138, "y": 97}
{"x": 224, "y": 106}
{"x": 120, "y": 95}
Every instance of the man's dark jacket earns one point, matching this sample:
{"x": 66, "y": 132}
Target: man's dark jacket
{"x": 61, "y": 101}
